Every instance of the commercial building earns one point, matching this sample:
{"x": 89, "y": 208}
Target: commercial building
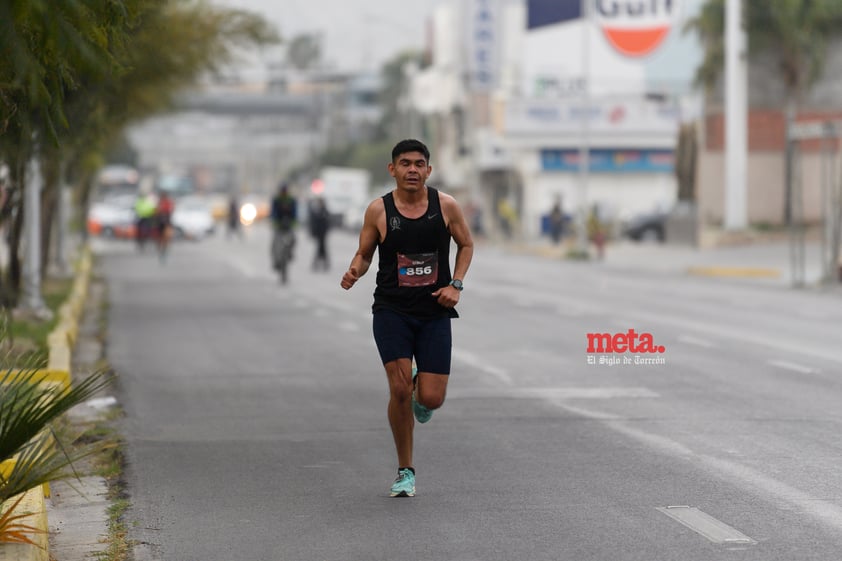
{"x": 519, "y": 106}
{"x": 508, "y": 110}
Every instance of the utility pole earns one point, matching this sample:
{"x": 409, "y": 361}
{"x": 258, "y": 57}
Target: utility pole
{"x": 736, "y": 118}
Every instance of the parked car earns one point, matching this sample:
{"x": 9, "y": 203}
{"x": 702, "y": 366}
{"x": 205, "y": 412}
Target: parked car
{"x": 112, "y": 217}
{"x": 647, "y": 227}
{"x": 193, "y": 218}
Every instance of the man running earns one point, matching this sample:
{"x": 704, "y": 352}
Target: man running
{"x": 415, "y": 297}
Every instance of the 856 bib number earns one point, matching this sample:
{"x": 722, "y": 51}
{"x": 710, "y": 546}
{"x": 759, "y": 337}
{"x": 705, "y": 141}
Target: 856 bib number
{"x": 418, "y": 269}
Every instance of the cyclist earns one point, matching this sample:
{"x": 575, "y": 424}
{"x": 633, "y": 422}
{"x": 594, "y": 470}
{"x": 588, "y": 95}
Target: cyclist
{"x": 283, "y": 215}
{"x": 144, "y": 208}
{"x": 163, "y": 223}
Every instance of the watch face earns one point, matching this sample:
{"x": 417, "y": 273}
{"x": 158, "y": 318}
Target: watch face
{"x": 457, "y": 284}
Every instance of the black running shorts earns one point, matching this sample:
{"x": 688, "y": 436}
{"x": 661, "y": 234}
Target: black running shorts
{"x": 429, "y": 341}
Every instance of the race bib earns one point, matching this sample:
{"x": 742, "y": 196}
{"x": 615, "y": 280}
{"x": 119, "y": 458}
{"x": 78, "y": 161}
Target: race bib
{"x": 418, "y": 269}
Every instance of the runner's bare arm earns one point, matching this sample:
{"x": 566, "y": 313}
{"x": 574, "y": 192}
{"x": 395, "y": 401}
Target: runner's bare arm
{"x": 461, "y": 234}
{"x": 448, "y": 296}
{"x": 369, "y": 236}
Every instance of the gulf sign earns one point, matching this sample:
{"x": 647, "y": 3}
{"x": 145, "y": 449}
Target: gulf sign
{"x": 635, "y": 28}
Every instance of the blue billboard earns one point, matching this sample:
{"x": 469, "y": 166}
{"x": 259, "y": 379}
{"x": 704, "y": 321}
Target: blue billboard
{"x": 548, "y": 12}
{"x": 610, "y": 160}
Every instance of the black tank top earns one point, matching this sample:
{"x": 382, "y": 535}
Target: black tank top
{"x": 414, "y": 261}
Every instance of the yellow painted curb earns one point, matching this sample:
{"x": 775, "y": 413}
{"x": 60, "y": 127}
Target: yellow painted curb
{"x": 34, "y": 505}
{"x": 7, "y": 466}
{"x": 59, "y": 360}
{"x": 755, "y": 272}
{"x": 56, "y": 376}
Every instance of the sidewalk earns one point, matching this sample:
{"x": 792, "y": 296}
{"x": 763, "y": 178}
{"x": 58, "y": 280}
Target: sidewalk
{"x": 78, "y": 513}
{"x": 767, "y": 262}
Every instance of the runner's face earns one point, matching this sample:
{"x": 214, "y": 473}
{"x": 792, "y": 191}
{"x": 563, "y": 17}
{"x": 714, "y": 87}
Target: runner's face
{"x": 410, "y": 171}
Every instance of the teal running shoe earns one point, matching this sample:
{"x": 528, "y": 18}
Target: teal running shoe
{"x": 422, "y": 414}
{"x": 404, "y": 485}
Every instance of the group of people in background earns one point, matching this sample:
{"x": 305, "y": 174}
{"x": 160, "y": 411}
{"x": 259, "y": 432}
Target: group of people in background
{"x": 284, "y": 217}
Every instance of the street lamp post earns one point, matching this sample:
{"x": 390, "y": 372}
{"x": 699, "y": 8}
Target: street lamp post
{"x": 736, "y": 137}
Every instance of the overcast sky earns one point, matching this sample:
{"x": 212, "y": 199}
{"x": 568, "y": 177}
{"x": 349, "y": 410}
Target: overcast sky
{"x": 364, "y": 34}
{"x": 358, "y": 34}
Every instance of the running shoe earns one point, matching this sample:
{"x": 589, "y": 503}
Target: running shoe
{"x": 404, "y": 485}
{"x": 422, "y": 414}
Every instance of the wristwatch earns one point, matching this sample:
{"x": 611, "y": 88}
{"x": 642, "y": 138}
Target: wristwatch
{"x": 457, "y": 284}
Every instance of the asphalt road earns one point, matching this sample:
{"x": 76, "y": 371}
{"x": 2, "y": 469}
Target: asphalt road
{"x": 256, "y": 415}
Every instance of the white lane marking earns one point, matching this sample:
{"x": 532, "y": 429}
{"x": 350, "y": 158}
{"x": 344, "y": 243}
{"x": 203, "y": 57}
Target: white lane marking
{"x": 791, "y": 366}
{"x": 698, "y": 341}
{"x": 348, "y": 326}
{"x": 242, "y": 268}
{"x": 736, "y": 334}
{"x": 569, "y": 311}
{"x": 554, "y": 393}
{"x": 587, "y": 412}
{"x": 329, "y": 303}
{"x": 523, "y": 301}
{"x": 474, "y": 361}
{"x": 703, "y": 523}
{"x": 733, "y": 334}
{"x": 824, "y": 512}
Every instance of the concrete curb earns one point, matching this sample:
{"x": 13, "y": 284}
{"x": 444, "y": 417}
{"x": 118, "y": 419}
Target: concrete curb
{"x": 737, "y": 272}
{"x": 34, "y": 506}
{"x": 60, "y": 343}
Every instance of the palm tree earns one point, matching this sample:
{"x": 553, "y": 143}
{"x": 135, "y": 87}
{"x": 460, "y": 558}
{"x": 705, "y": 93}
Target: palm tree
{"x": 794, "y": 34}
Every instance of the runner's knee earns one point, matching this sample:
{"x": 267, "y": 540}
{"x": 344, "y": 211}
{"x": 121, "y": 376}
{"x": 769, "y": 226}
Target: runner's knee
{"x": 401, "y": 391}
{"x": 431, "y": 401}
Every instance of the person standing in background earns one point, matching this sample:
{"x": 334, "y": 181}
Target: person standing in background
{"x": 319, "y": 221}
{"x": 234, "y": 218}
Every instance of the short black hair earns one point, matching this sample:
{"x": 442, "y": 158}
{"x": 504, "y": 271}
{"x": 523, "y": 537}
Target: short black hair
{"x": 410, "y": 145}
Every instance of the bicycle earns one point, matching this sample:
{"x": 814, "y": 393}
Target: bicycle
{"x": 282, "y": 243}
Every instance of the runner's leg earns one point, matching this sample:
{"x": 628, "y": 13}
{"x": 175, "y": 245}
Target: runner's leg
{"x": 401, "y": 420}
{"x": 432, "y": 356}
{"x": 431, "y": 389}
{"x": 395, "y": 336}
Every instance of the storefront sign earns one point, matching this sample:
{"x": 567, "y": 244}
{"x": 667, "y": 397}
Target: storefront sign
{"x": 483, "y": 43}
{"x": 537, "y": 116}
{"x": 635, "y": 28}
{"x": 610, "y": 160}
{"x": 541, "y": 13}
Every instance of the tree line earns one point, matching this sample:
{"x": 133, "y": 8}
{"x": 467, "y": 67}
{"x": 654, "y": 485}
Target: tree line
{"x": 75, "y": 73}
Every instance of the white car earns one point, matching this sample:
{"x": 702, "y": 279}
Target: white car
{"x": 112, "y": 217}
{"x": 193, "y": 218}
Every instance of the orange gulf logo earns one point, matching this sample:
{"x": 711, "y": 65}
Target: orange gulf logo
{"x": 635, "y": 28}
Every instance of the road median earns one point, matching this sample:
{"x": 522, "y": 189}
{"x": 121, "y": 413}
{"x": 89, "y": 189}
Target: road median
{"x": 30, "y": 506}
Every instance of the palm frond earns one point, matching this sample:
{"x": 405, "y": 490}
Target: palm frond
{"x": 42, "y": 461}
{"x": 27, "y": 408}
